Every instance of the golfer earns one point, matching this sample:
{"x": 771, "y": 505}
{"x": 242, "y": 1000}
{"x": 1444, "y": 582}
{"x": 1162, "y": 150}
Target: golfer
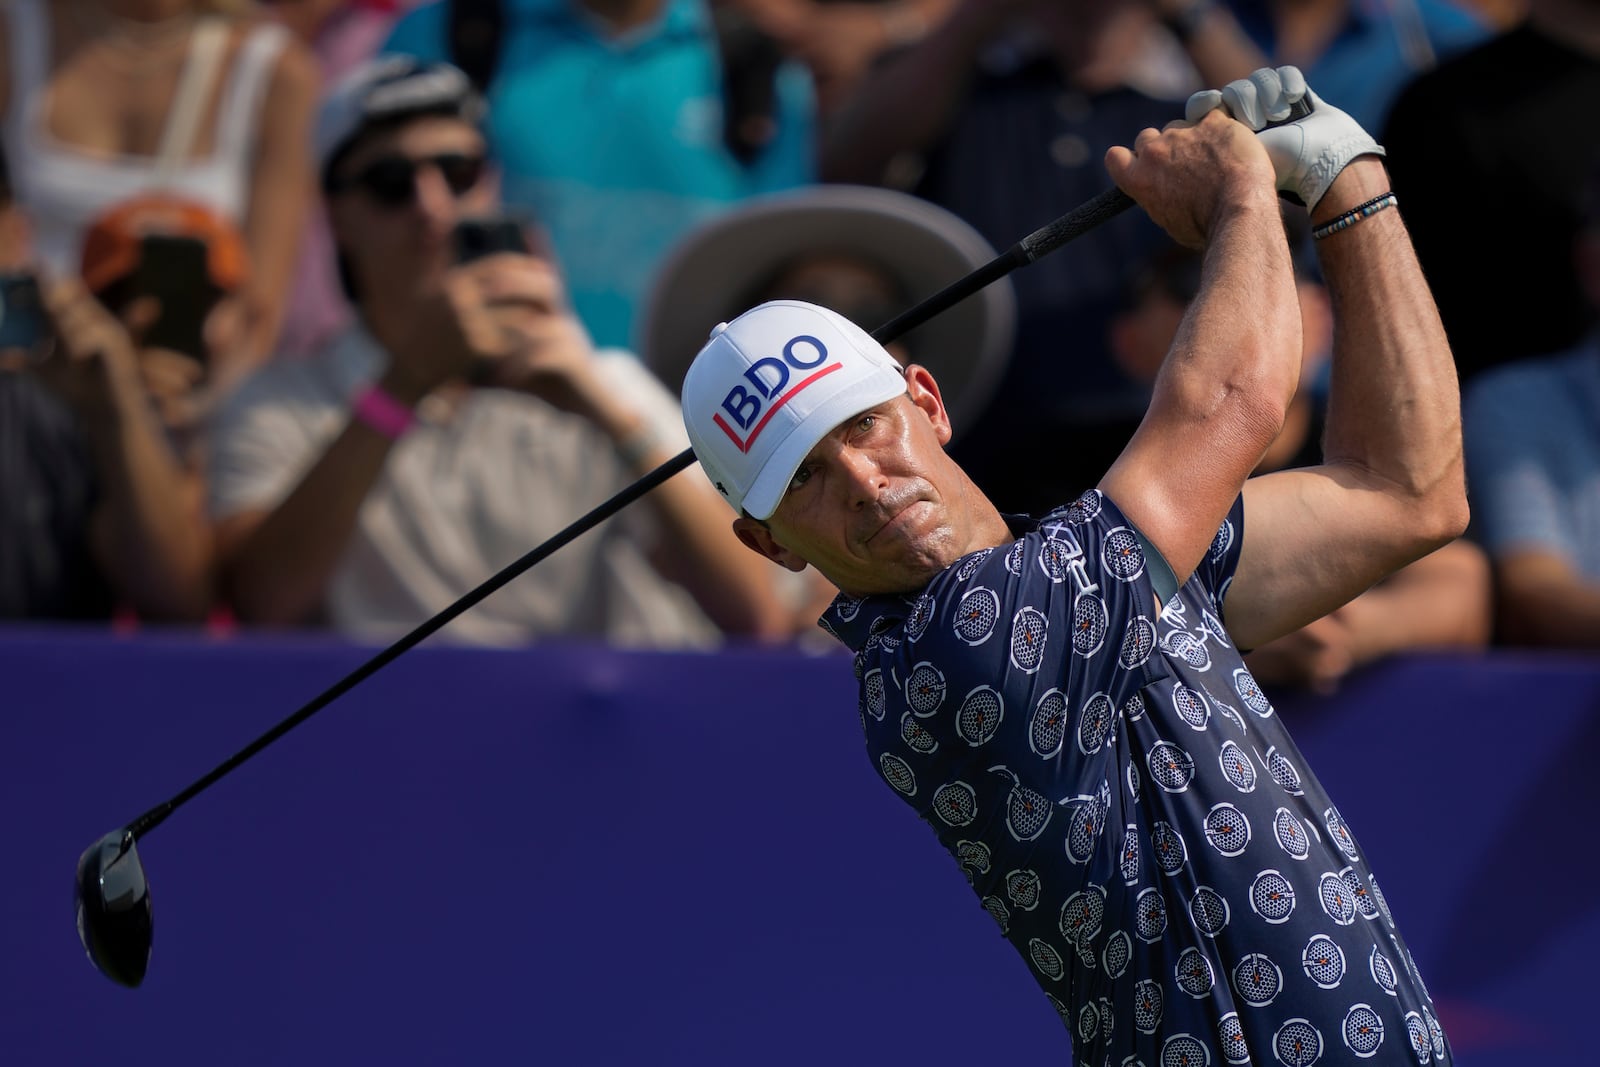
{"x": 1062, "y": 700}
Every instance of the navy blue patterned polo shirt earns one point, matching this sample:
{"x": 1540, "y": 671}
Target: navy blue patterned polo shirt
{"x": 1129, "y": 807}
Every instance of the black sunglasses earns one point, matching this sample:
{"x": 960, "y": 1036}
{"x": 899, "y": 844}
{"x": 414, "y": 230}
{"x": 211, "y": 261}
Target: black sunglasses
{"x": 391, "y": 181}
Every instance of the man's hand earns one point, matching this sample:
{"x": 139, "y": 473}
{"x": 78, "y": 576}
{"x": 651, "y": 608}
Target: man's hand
{"x": 1189, "y": 177}
{"x": 1307, "y": 153}
{"x": 541, "y": 347}
{"x": 94, "y": 363}
{"x": 497, "y": 321}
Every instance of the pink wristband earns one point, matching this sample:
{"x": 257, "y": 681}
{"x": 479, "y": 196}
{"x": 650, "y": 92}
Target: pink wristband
{"x": 383, "y": 412}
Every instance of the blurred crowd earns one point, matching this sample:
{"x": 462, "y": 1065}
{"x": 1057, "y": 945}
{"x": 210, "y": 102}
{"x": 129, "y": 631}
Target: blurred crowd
{"x": 316, "y": 314}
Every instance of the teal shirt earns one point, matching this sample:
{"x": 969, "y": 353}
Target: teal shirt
{"x": 615, "y": 145}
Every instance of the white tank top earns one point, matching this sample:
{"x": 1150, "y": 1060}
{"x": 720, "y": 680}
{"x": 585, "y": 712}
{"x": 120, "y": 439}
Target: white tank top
{"x": 62, "y": 189}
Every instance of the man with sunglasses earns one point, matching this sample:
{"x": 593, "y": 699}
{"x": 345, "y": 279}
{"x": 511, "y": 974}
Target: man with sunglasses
{"x": 462, "y": 419}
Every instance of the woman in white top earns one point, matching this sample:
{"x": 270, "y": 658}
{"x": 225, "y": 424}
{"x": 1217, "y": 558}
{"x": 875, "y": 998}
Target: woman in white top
{"x": 106, "y": 99}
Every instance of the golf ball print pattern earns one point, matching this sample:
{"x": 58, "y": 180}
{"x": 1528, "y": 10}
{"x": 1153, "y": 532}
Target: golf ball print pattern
{"x": 1129, "y": 808}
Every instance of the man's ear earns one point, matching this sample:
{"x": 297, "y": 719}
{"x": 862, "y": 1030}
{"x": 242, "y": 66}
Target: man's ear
{"x": 923, "y": 392}
{"x": 758, "y": 539}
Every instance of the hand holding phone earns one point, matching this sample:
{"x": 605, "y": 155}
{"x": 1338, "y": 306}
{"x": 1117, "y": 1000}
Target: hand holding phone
{"x": 174, "y": 270}
{"x": 477, "y": 238}
{"x": 23, "y": 325}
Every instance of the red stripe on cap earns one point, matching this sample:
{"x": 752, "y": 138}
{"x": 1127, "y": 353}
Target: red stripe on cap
{"x": 729, "y": 431}
{"x": 785, "y": 398}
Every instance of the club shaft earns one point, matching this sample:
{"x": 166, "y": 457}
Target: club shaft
{"x": 1039, "y": 243}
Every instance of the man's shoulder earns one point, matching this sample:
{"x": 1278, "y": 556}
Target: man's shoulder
{"x": 621, "y": 369}
{"x": 322, "y": 379}
{"x": 1079, "y": 547}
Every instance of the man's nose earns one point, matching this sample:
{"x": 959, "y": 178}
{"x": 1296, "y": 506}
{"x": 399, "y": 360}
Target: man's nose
{"x": 862, "y": 478}
{"x": 434, "y": 197}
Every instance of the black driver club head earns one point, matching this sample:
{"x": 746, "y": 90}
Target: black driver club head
{"x": 114, "y": 914}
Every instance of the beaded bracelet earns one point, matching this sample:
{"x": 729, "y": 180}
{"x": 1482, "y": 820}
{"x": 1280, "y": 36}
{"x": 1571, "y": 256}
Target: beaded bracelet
{"x": 1355, "y": 215}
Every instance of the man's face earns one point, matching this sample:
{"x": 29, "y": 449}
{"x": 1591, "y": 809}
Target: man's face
{"x": 877, "y": 506}
{"x": 406, "y": 189}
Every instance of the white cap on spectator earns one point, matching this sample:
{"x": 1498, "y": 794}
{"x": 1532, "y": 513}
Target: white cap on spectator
{"x": 771, "y": 384}
{"x": 390, "y": 87}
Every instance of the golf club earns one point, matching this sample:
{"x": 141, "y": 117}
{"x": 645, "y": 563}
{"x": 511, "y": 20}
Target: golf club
{"x": 114, "y": 915}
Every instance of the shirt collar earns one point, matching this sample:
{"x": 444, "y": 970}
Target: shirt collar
{"x": 857, "y": 621}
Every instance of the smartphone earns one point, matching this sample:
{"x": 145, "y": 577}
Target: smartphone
{"x": 174, "y": 270}
{"x": 22, "y": 320}
{"x": 476, "y": 238}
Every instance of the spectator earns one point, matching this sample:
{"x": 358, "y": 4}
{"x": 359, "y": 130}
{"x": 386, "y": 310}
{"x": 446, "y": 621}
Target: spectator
{"x": 606, "y": 117}
{"x": 104, "y": 508}
{"x": 1007, "y": 109}
{"x": 838, "y": 40}
{"x": 864, "y": 252}
{"x": 341, "y": 34}
{"x": 1498, "y": 124}
{"x": 1533, "y": 468}
{"x": 463, "y": 419}
{"x": 1440, "y": 601}
{"x": 107, "y": 99}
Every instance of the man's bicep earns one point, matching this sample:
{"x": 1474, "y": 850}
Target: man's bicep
{"x": 1314, "y": 539}
{"x": 1176, "y": 492}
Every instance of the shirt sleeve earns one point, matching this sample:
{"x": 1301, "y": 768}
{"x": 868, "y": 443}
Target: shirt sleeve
{"x": 260, "y": 447}
{"x": 662, "y": 415}
{"x": 1215, "y": 572}
{"x": 1512, "y": 457}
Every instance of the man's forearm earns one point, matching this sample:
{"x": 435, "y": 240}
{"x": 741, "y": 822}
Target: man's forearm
{"x": 1440, "y": 601}
{"x": 906, "y": 104}
{"x": 1544, "y": 601}
{"x": 277, "y": 572}
{"x": 150, "y": 533}
{"x": 1394, "y": 409}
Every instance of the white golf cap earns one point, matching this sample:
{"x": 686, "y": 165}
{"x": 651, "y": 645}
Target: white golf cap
{"x": 772, "y": 383}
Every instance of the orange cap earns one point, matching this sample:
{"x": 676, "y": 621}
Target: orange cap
{"x": 111, "y": 244}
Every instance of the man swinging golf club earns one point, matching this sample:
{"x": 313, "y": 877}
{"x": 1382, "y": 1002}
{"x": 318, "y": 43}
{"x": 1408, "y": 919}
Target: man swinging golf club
{"x": 1062, "y": 700}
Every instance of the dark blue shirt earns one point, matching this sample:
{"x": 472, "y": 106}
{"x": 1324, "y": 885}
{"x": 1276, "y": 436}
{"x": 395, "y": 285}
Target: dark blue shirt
{"x": 1129, "y": 807}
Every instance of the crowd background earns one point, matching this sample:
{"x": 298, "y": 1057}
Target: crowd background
{"x": 250, "y": 377}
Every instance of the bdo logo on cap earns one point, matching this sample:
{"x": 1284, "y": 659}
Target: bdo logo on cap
{"x": 752, "y": 402}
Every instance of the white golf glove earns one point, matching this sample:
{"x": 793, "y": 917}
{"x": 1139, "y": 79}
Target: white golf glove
{"x": 1307, "y": 153}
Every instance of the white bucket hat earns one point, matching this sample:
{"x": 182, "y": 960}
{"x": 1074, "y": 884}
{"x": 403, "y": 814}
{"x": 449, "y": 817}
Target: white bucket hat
{"x": 707, "y": 277}
{"x": 771, "y": 384}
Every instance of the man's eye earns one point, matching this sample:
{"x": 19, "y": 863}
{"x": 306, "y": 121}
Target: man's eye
{"x": 866, "y": 422}
{"x": 800, "y": 478}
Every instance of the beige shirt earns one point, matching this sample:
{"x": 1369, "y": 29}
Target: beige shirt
{"x": 465, "y": 492}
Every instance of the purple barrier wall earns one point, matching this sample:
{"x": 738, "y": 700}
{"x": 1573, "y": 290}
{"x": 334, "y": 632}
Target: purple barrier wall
{"x": 571, "y": 855}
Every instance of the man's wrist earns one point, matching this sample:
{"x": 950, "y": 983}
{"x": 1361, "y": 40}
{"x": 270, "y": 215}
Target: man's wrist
{"x": 404, "y": 387}
{"x": 380, "y": 410}
{"x": 1362, "y": 179}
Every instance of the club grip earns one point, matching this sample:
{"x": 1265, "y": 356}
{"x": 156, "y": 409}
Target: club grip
{"x": 1075, "y": 223}
{"x": 1297, "y": 111}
